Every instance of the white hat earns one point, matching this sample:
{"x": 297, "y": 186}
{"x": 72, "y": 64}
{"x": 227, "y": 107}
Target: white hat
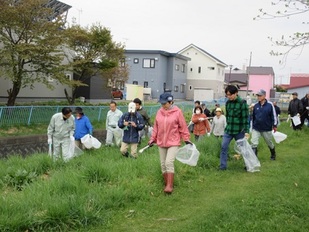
{"x": 131, "y": 107}
{"x": 218, "y": 110}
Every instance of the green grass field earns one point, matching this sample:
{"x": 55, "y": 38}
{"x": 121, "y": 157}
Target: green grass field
{"x": 102, "y": 191}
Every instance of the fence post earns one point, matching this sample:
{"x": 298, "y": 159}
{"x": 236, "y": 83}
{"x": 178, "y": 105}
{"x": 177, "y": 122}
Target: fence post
{"x": 30, "y": 114}
{"x": 1, "y": 114}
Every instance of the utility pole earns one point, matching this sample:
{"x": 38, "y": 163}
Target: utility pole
{"x": 248, "y": 73}
{"x": 231, "y": 66}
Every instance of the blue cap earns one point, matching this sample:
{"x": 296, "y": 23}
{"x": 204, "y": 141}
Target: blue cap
{"x": 165, "y": 97}
{"x": 261, "y": 92}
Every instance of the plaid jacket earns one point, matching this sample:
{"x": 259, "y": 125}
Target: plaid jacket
{"x": 237, "y": 116}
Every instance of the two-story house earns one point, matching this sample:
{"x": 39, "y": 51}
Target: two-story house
{"x": 158, "y": 70}
{"x": 204, "y": 71}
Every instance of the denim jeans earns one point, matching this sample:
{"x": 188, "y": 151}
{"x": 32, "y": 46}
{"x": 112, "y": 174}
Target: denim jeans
{"x": 225, "y": 146}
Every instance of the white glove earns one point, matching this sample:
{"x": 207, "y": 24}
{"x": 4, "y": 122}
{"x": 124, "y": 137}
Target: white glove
{"x": 278, "y": 115}
{"x": 49, "y": 141}
{"x": 208, "y": 134}
{"x": 72, "y": 138}
{"x": 297, "y": 115}
{"x": 201, "y": 119}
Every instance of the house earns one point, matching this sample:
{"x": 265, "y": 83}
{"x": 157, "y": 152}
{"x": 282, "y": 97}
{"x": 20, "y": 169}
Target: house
{"x": 299, "y": 82}
{"x": 205, "y": 71}
{"x": 253, "y": 79}
{"x": 158, "y": 70}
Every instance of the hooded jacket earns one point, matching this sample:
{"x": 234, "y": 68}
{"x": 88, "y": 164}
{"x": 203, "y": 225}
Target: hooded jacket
{"x": 169, "y": 128}
{"x": 130, "y": 133}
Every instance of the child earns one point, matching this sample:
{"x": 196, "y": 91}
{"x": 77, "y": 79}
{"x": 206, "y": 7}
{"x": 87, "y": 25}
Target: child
{"x": 131, "y": 123}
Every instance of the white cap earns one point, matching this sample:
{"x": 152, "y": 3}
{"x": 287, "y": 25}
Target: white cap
{"x": 131, "y": 107}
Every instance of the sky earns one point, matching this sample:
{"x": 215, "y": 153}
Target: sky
{"x": 224, "y": 28}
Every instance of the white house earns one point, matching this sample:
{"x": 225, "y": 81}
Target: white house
{"x": 205, "y": 72}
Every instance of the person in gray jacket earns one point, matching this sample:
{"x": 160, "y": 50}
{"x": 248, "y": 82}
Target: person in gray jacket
{"x": 113, "y": 132}
{"x": 60, "y": 133}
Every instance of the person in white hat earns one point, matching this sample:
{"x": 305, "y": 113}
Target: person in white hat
{"x": 131, "y": 122}
{"x": 218, "y": 123}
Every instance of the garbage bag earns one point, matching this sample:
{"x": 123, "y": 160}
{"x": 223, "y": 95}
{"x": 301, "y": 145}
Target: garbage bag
{"x": 251, "y": 161}
{"x": 279, "y": 137}
{"x": 188, "y": 154}
{"x": 90, "y": 142}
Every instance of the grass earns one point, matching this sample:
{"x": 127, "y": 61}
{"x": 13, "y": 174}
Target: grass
{"x": 102, "y": 191}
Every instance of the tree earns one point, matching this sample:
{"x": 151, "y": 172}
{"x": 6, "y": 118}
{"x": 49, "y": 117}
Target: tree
{"x": 93, "y": 51}
{"x": 290, "y": 8}
{"x": 29, "y": 42}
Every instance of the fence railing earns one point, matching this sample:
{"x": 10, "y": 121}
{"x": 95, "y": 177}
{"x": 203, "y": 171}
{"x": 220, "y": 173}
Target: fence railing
{"x": 27, "y": 115}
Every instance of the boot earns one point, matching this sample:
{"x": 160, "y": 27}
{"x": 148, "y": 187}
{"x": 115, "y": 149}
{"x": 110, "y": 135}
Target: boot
{"x": 255, "y": 150}
{"x": 165, "y": 178}
{"x": 169, "y": 183}
{"x": 272, "y": 154}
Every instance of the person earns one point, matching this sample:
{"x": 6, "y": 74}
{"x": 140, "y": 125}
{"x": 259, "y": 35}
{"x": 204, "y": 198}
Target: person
{"x": 112, "y": 130}
{"x": 168, "y": 130}
{"x": 213, "y": 112}
{"x": 305, "y": 113}
{"x": 82, "y": 127}
{"x": 201, "y": 124}
{"x": 132, "y": 122}
{"x": 218, "y": 124}
{"x": 264, "y": 120}
{"x": 206, "y": 110}
{"x": 278, "y": 112}
{"x": 295, "y": 109}
{"x": 60, "y": 133}
{"x": 191, "y": 124}
{"x": 140, "y": 110}
{"x": 237, "y": 126}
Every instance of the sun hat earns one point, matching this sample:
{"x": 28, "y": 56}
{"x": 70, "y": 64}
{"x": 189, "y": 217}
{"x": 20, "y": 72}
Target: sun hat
{"x": 218, "y": 109}
{"x": 165, "y": 97}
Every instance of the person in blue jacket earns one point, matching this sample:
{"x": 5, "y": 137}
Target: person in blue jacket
{"x": 264, "y": 120}
{"x": 82, "y": 126}
{"x": 131, "y": 122}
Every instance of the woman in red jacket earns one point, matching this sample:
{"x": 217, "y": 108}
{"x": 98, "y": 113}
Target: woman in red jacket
{"x": 168, "y": 130}
{"x": 201, "y": 124}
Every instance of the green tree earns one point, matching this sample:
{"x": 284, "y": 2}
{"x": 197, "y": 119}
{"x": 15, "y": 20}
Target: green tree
{"x": 29, "y": 41}
{"x": 288, "y": 8}
{"x": 93, "y": 51}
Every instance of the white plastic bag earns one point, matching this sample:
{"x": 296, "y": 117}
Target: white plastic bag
{"x": 188, "y": 154}
{"x": 90, "y": 142}
{"x": 150, "y": 129}
{"x": 251, "y": 161}
{"x": 278, "y": 136}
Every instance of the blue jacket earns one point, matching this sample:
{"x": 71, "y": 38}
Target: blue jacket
{"x": 264, "y": 116}
{"x": 82, "y": 127}
{"x": 130, "y": 133}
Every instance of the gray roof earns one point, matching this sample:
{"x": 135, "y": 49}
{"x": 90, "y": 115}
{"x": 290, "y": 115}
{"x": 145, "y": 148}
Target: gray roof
{"x": 163, "y": 53}
{"x": 260, "y": 70}
{"x": 208, "y": 54}
{"x": 236, "y": 77}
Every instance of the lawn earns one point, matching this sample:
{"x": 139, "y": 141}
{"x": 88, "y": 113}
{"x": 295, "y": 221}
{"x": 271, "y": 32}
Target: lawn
{"x": 102, "y": 191}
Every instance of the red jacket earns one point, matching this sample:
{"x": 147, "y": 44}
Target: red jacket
{"x": 169, "y": 128}
{"x": 200, "y": 127}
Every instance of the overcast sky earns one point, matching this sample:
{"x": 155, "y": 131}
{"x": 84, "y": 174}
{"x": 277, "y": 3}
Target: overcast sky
{"x": 224, "y": 28}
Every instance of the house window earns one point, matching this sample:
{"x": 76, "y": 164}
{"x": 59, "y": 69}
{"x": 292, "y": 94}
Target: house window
{"x": 176, "y": 88}
{"x": 191, "y": 69}
{"x": 135, "y": 82}
{"x": 190, "y": 87}
{"x": 135, "y": 60}
{"x": 211, "y": 68}
{"x": 145, "y": 84}
{"x": 177, "y": 67}
{"x": 183, "y": 68}
{"x": 148, "y": 63}
{"x": 69, "y": 76}
{"x": 182, "y": 88}
{"x": 199, "y": 69}
{"x": 109, "y": 82}
{"x": 122, "y": 62}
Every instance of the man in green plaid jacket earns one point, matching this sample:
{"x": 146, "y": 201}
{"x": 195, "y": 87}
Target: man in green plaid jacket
{"x": 237, "y": 114}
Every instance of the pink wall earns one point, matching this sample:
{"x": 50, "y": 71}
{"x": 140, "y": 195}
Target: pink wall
{"x": 257, "y": 82}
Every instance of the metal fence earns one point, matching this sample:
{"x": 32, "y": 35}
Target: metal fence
{"x": 27, "y": 115}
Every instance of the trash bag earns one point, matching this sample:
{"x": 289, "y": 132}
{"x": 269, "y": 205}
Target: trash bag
{"x": 188, "y": 154}
{"x": 150, "y": 129}
{"x": 279, "y": 137}
{"x": 90, "y": 142}
{"x": 251, "y": 161}
{"x": 74, "y": 151}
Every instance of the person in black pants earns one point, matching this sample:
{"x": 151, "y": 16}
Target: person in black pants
{"x": 305, "y": 114}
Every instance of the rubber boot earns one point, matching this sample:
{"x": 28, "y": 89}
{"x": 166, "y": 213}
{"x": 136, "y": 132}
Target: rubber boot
{"x": 272, "y": 154}
{"x": 165, "y": 179}
{"x": 255, "y": 150}
{"x": 169, "y": 183}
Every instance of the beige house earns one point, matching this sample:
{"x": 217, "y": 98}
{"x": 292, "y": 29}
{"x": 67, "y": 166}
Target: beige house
{"x": 205, "y": 72}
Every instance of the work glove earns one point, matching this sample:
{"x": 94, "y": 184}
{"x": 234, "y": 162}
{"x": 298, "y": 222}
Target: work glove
{"x": 188, "y": 142}
{"x": 247, "y": 135}
{"x": 72, "y": 138}
{"x": 201, "y": 119}
{"x": 275, "y": 129}
{"x": 297, "y": 115}
{"x": 208, "y": 134}
{"x": 150, "y": 143}
{"x": 49, "y": 141}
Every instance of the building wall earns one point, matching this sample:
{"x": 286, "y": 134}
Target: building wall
{"x": 257, "y": 82}
{"x": 212, "y": 84}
